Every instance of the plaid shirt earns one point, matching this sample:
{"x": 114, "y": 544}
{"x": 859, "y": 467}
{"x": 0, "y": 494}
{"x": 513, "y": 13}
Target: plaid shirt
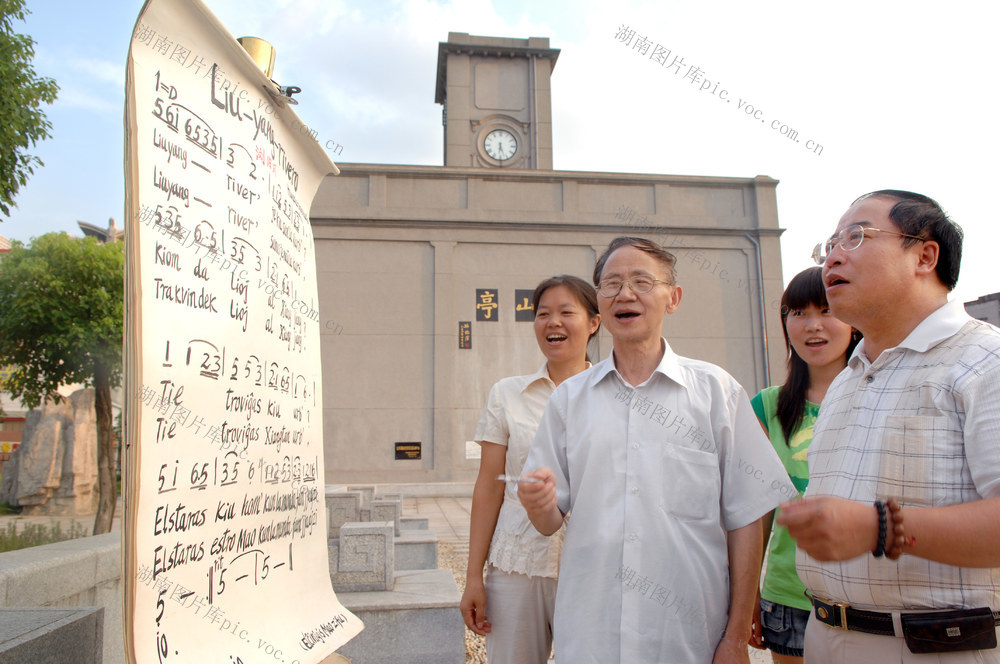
{"x": 922, "y": 424}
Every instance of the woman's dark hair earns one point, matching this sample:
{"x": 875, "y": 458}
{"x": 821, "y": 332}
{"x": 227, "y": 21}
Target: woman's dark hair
{"x": 664, "y": 257}
{"x": 804, "y": 289}
{"x": 580, "y": 289}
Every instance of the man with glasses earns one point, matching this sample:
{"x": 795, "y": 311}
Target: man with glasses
{"x": 905, "y": 459}
{"x": 667, "y": 473}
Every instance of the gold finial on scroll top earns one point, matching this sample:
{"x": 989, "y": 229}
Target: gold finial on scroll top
{"x": 261, "y": 51}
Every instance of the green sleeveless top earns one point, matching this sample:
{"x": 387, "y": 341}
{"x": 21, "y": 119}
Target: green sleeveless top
{"x": 781, "y": 582}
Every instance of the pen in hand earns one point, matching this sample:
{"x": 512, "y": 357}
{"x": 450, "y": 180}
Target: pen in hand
{"x": 513, "y": 479}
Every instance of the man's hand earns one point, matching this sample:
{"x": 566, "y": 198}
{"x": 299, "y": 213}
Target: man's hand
{"x": 830, "y": 528}
{"x": 540, "y": 501}
{"x": 473, "y": 606}
{"x": 731, "y": 650}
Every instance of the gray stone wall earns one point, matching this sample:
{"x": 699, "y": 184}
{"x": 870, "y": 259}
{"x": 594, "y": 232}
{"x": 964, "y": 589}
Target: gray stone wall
{"x": 80, "y": 572}
{"x": 402, "y": 250}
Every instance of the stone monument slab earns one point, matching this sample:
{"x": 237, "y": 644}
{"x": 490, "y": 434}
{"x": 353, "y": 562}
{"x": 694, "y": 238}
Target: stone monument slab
{"x": 387, "y": 510}
{"x": 341, "y": 507}
{"x": 54, "y": 471}
{"x": 367, "y": 492}
{"x": 363, "y": 557}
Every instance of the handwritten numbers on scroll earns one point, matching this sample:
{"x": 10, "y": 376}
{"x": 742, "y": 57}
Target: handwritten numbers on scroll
{"x": 161, "y": 639}
{"x": 164, "y": 474}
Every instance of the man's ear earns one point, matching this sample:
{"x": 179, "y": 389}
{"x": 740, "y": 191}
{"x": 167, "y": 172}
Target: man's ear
{"x": 927, "y": 257}
{"x": 675, "y": 299}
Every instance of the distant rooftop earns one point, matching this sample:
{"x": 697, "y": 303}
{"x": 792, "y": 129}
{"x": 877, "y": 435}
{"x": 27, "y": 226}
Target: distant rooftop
{"x": 992, "y": 297}
{"x": 111, "y": 234}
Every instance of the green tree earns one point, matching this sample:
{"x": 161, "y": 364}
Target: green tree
{"x": 61, "y": 313}
{"x": 22, "y": 93}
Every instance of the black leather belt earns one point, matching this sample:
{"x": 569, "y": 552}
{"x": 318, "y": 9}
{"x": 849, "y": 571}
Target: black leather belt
{"x": 836, "y": 614}
{"x": 842, "y": 616}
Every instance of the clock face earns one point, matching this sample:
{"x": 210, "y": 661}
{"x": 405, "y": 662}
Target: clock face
{"x": 500, "y": 144}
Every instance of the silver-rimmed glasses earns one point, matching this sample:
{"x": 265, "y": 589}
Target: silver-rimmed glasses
{"x": 850, "y": 239}
{"x": 639, "y": 285}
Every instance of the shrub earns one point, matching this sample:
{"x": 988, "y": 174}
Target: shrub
{"x": 13, "y": 538}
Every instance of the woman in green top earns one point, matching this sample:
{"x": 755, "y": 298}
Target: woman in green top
{"x": 818, "y": 346}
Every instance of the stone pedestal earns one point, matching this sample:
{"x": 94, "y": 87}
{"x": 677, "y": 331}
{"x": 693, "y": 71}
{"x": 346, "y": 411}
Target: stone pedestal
{"x": 341, "y": 507}
{"x": 416, "y": 549}
{"x": 363, "y": 558}
{"x": 414, "y": 523}
{"x": 367, "y": 492}
{"x": 418, "y": 622}
{"x": 387, "y": 575}
{"x": 387, "y": 510}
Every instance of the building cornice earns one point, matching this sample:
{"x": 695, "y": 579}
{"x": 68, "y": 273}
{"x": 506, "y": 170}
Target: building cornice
{"x": 489, "y": 47}
{"x": 530, "y": 175}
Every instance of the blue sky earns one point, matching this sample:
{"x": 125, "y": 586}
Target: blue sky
{"x": 900, "y": 95}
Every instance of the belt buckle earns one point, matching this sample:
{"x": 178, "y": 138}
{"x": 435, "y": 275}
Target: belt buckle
{"x": 824, "y": 609}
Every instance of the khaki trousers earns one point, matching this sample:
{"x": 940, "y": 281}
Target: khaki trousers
{"x": 520, "y": 609}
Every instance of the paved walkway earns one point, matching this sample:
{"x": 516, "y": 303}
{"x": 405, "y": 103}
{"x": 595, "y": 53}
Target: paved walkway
{"x": 447, "y": 517}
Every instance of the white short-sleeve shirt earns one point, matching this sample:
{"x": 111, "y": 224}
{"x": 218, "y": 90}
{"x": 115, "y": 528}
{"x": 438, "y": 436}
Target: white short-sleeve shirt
{"x": 510, "y": 418}
{"x": 655, "y": 476}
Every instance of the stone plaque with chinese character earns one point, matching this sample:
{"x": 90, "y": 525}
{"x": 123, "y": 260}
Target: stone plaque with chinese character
{"x": 487, "y": 308}
{"x": 523, "y": 309}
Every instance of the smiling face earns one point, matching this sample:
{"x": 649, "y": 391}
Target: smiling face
{"x": 637, "y": 317}
{"x": 817, "y": 336}
{"x": 563, "y": 325}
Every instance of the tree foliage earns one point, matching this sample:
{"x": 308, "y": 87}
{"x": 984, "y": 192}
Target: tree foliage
{"x": 61, "y": 313}
{"x": 22, "y": 94}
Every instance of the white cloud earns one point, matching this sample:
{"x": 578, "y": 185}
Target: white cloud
{"x": 100, "y": 70}
{"x": 74, "y": 97}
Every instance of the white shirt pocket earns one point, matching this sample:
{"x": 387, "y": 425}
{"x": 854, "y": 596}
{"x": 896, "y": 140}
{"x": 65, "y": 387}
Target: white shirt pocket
{"x": 691, "y": 483}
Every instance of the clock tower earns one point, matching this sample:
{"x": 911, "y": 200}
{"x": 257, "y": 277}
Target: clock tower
{"x": 497, "y": 101}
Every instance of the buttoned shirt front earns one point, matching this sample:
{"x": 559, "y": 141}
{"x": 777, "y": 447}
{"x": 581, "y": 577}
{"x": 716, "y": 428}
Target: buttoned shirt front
{"x": 510, "y": 418}
{"x": 654, "y": 476}
{"x": 920, "y": 423}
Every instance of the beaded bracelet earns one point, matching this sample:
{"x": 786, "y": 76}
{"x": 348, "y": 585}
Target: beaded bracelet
{"x": 882, "y": 528}
{"x": 899, "y": 540}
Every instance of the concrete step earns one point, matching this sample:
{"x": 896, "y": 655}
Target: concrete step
{"x": 416, "y": 549}
{"x": 417, "y": 622}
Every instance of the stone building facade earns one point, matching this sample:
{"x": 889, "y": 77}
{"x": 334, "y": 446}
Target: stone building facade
{"x": 424, "y": 270}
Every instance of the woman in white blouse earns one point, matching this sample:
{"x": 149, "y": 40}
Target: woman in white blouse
{"x": 518, "y": 595}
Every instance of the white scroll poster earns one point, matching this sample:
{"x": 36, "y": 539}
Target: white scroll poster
{"x": 225, "y": 546}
